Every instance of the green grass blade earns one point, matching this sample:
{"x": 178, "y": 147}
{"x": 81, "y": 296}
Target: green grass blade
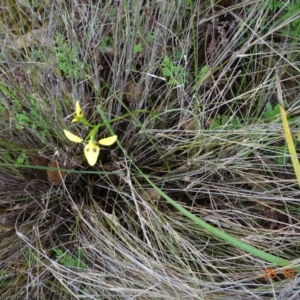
{"x": 287, "y": 131}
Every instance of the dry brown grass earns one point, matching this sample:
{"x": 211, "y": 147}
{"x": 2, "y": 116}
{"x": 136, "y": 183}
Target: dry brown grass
{"x": 202, "y": 137}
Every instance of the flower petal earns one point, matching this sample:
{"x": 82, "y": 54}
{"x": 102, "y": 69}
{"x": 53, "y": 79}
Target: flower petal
{"x": 91, "y": 153}
{"x": 72, "y": 137}
{"x": 79, "y": 112}
{"x": 108, "y": 141}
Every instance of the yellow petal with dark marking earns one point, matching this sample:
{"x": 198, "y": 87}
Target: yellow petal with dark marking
{"x": 79, "y": 113}
{"x": 78, "y": 110}
{"x": 91, "y": 153}
{"x": 108, "y": 141}
{"x": 72, "y": 137}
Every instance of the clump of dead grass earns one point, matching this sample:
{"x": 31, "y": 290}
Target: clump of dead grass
{"x": 203, "y": 138}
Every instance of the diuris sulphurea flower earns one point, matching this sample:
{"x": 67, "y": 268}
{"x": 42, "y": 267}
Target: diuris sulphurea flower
{"x": 79, "y": 113}
{"x": 79, "y": 117}
{"x": 91, "y": 149}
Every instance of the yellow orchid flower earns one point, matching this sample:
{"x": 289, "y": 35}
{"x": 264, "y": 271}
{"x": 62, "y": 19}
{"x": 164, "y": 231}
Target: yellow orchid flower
{"x": 79, "y": 114}
{"x": 92, "y": 149}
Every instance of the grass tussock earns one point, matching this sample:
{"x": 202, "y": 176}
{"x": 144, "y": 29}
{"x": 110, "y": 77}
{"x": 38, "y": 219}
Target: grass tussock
{"x": 189, "y": 89}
